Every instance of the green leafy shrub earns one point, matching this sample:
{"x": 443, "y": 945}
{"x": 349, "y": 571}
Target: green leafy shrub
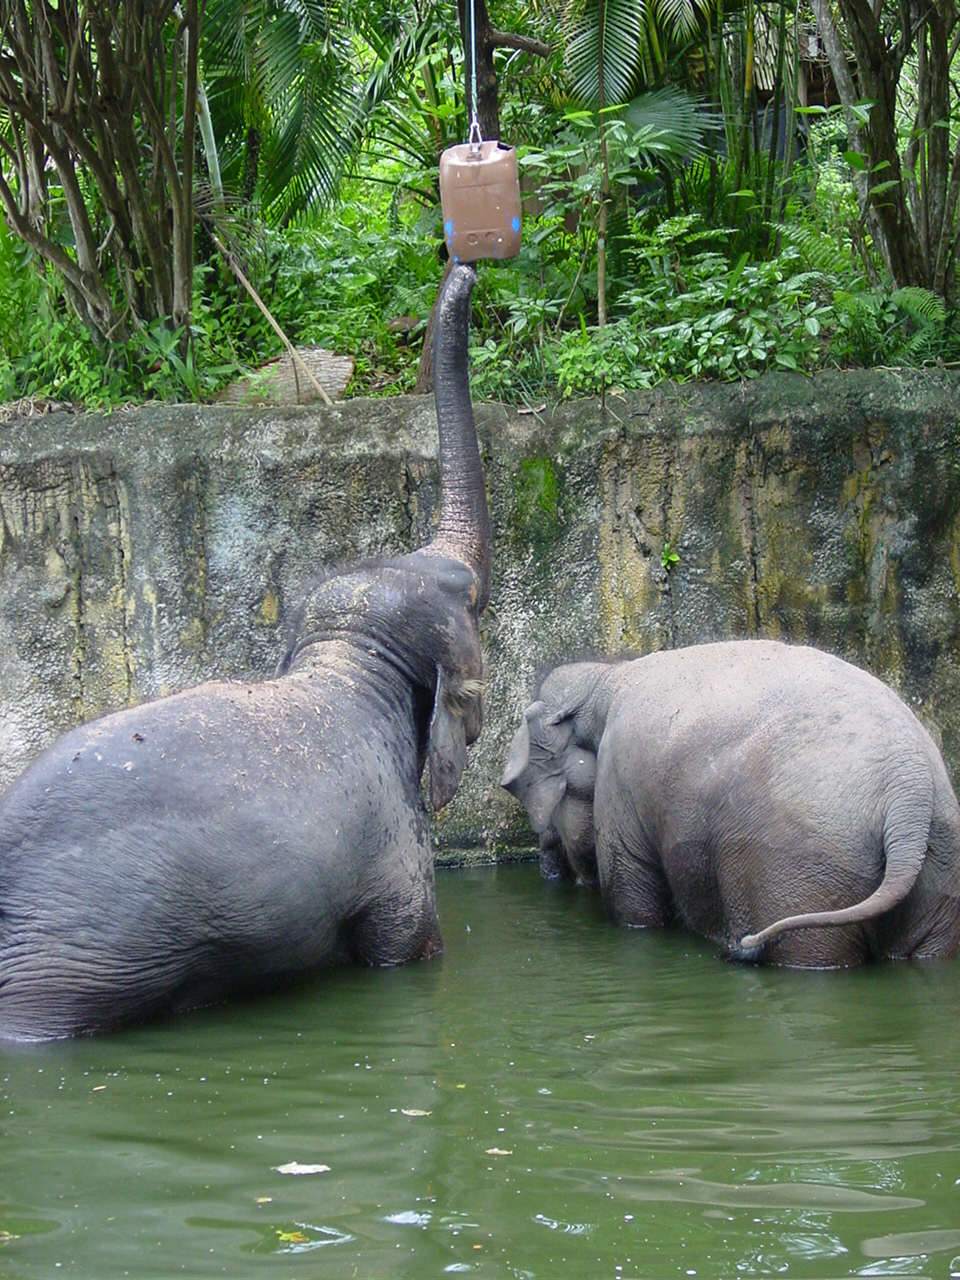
{"x": 362, "y": 280}
{"x": 346, "y": 285}
{"x": 693, "y": 314}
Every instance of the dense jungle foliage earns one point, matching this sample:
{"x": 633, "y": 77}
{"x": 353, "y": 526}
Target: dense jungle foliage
{"x": 712, "y": 188}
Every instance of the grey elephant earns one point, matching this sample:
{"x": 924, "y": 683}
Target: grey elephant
{"x": 236, "y": 837}
{"x": 773, "y": 798}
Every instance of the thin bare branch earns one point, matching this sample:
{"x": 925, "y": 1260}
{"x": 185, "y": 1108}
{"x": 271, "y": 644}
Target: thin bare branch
{"x": 294, "y": 354}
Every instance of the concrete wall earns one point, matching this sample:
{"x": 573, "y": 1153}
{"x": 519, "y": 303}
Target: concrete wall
{"x": 146, "y": 551}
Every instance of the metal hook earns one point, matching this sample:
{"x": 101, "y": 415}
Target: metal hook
{"x": 475, "y": 137}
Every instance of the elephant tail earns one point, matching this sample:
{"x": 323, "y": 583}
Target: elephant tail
{"x": 906, "y": 834}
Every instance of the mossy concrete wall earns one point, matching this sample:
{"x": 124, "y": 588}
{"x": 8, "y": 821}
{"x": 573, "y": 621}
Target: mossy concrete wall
{"x": 146, "y": 551}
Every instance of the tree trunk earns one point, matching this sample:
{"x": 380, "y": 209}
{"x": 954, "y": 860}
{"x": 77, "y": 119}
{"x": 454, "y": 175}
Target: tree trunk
{"x": 908, "y": 200}
{"x": 480, "y": 93}
{"x": 183, "y": 207}
{"x": 488, "y": 38}
{"x": 604, "y": 177}
{"x": 84, "y": 85}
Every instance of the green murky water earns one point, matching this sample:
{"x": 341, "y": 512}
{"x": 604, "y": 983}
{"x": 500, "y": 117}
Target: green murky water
{"x": 552, "y": 1097}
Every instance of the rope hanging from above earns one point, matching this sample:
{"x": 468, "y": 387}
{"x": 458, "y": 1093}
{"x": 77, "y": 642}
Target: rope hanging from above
{"x": 474, "y": 121}
{"x": 479, "y": 186}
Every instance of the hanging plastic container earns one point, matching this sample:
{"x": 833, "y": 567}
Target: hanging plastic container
{"x": 480, "y": 199}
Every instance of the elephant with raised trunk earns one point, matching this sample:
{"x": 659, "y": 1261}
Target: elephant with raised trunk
{"x": 773, "y": 798}
{"x": 237, "y": 837}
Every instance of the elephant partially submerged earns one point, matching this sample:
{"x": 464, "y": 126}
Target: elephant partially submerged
{"x": 773, "y": 798}
{"x": 236, "y": 837}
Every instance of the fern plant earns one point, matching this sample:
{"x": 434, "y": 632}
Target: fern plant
{"x": 927, "y": 335}
{"x": 821, "y": 252}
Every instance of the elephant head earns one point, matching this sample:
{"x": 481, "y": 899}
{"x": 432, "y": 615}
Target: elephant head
{"x": 551, "y": 768}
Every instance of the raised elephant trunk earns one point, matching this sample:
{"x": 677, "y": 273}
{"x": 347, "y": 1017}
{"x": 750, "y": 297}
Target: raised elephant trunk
{"x": 464, "y": 530}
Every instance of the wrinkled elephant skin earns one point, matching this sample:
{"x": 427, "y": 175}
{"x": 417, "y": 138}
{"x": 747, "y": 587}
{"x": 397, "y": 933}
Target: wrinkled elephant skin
{"x": 775, "y": 799}
{"x": 237, "y": 837}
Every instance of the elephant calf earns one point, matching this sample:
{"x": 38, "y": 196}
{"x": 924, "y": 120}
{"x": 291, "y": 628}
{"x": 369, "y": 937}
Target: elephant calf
{"x": 773, "y": 798}
{"x": 238, "y": 836}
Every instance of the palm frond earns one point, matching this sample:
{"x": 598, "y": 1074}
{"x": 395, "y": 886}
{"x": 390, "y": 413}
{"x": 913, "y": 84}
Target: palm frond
{"x": 400, "y": 39}
{"x": 310, "y": 149}
{"x": 399, "y": 57}
{"x": 286, "y": 67}
{"x": 608, "y": 35}
{"x": 681, "y": 19}
{"x": 669, "y": 124}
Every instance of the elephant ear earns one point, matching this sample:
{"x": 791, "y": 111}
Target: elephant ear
{"x": 453, "y": 725}
{"x": 534, "y": 771}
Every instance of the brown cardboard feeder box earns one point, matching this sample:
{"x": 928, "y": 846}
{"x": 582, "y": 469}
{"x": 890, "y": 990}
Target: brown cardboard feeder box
{"x": 480, "y": 199}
